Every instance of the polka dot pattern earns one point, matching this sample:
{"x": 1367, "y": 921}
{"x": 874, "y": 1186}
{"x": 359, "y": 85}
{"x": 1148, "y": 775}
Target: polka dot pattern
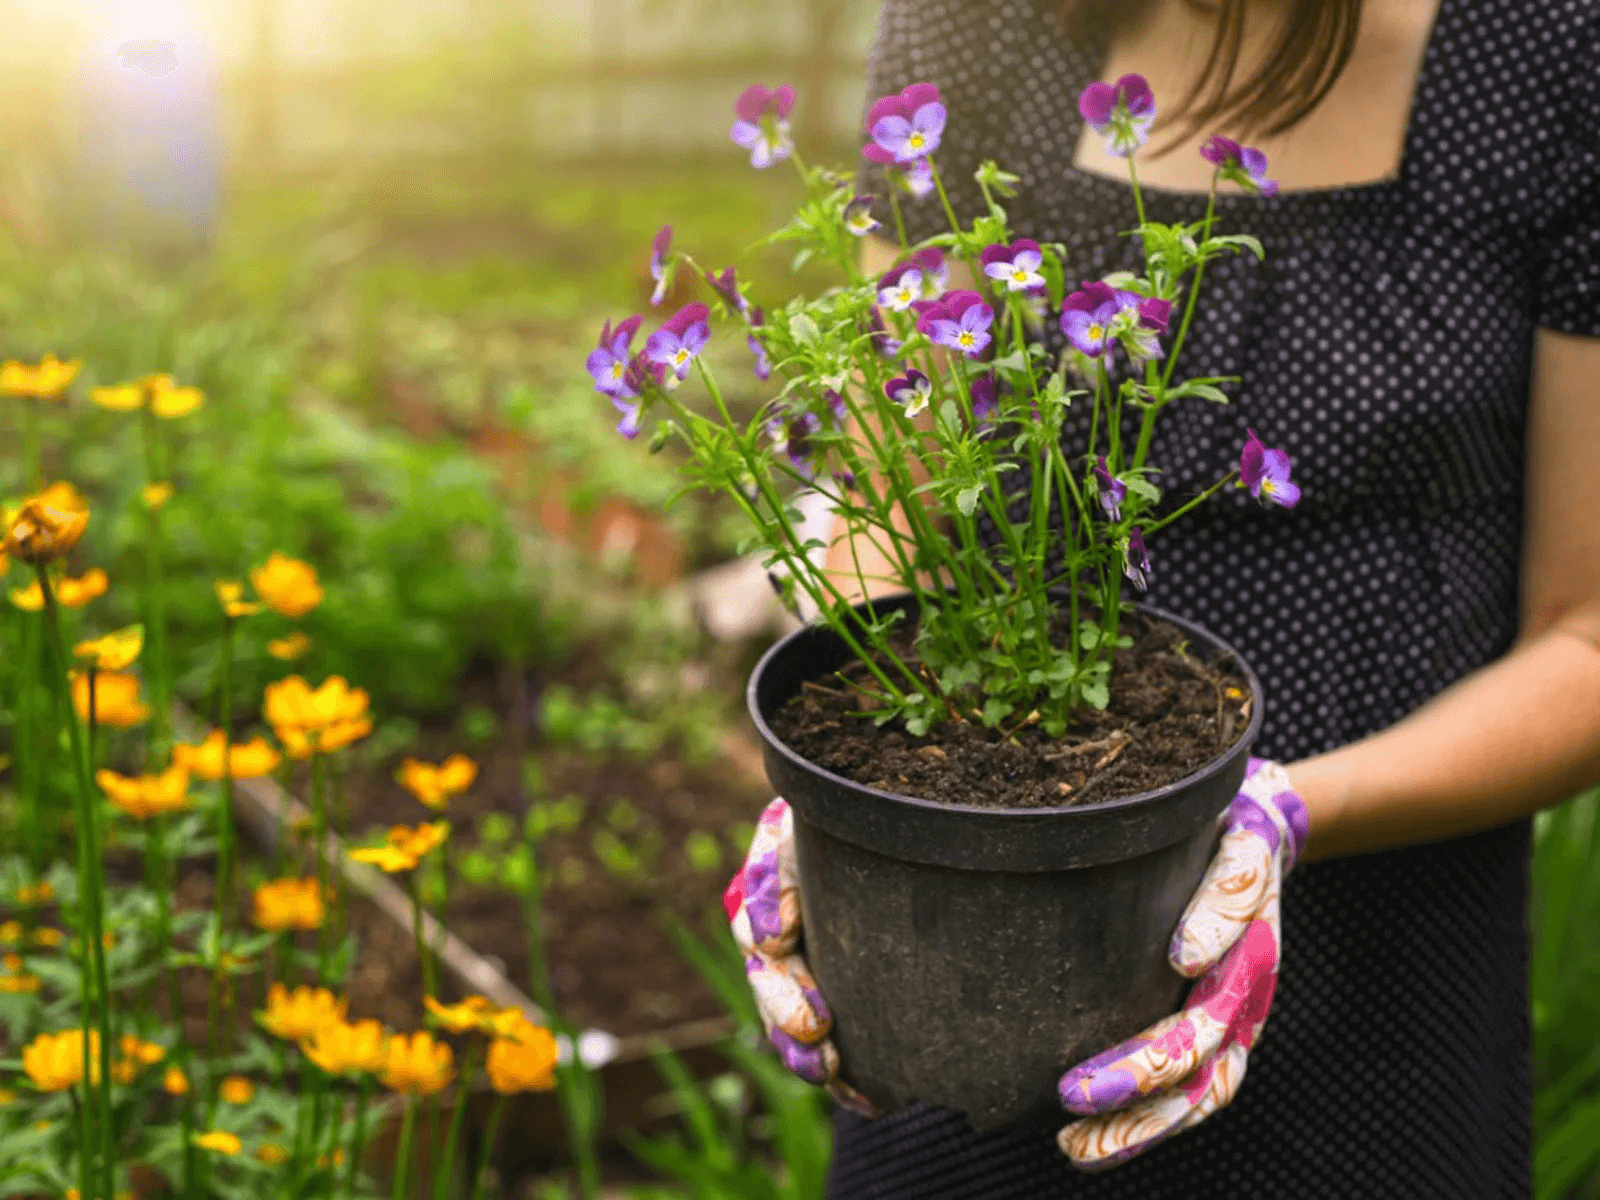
{"x": 1386, "y": 345}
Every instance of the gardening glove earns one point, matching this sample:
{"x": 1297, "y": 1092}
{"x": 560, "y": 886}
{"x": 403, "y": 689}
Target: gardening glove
{"x": 763, "y": 906}
{"x": 1184, "y": 1068}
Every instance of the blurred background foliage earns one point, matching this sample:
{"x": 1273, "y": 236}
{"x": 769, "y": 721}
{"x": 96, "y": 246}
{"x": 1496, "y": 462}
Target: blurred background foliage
{"x": 383, "y": 233}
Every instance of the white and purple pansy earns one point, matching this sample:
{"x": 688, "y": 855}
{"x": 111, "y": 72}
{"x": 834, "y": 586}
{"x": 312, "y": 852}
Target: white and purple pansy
{"x": 918, "y": 178}
{"x": 1087, "y": 317}
{"x": 984, "y": 401}
{"x": 676, "y": 344}
{"x": 1135, "y": 562}
{"x": 608, "y": 361}
{"x": 762, "y": 123}
{"x": 959, "y": 320}
{"x": 900, "y": 288}
{"x": 858, "y": 218}
{"x": 1112, "y": 490}
{"x": 1243, "y": 165}
{"x": 1122, "y": 112}
{"x": 726, "y": 286}
{"x": 905, "y": 127}
{"x": 1266, "y": 473}
{"x": 1015, "y": 266}
{"x": 792, "y": 436}
{"x": 911, "y": 391}
{"x": 661, "y": 264}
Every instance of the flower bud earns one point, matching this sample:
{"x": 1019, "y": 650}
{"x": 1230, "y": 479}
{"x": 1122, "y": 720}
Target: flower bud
{"x": 42, "y": 533}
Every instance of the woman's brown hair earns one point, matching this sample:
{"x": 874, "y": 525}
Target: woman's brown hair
{"x": 1315, "y": 39}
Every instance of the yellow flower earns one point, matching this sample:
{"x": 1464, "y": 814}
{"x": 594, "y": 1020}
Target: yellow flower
{"x": 295, "y": 1016}
{"x": 523, "y": 1061}
{"x": 246, "y": 760}
{"x": 168, "y": 402}
{"x": 288, "y": 904}
{"x": 43, "y": 532}
{"x": 37, "y": 893}
{"x": 114, "y": 652}
{"x": 272, "y": 1154}
{"x": 236, "y": 1089}
{"x": 6, "y": 1096}
{"x": 287, "y": 649}
{"x": 146, "y": 795}
{"x": 231, "y": 596}
{"x": 434, "y": 785}
{"x": 70, "y": 593}
{"x": 116, "y": 699}
{"x": 147, "y": 1053}
{"x": 48, "y": 937}
{"x": 341, "y": 1048}
{"x": 15, "y": 980}
{"x": 219, "y": 1140}
{"x": 156, "y": 495}
{"x": 470, "y": 1015}
{"x": 54, "y": 1061}
{"x": 10, "y": 933}
{"x": 47, "y": 381}
{"x": 288, "y": 585}
{"x": 118, "y": 397}
{"x": 175, "y": 1082}
{"x": 292, "y": 704}
{"x": 406, "y": 847}
{"x": 416, "y": 1065}
{"x": 61, "y": 494}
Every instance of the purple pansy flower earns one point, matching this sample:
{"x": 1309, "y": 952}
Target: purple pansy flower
{"x": 1244, "y": 165}
{"x": 763, "y": 364}
{"x": 1122, "y": 111}
{"x": 900, "y": 288}
{"x": 1086, "y": 318}
{"x": 858, "y": 218}
{"x": 763, "y": 123}
{"x": 726, "y": 286}
{"x": 1155, "y": 313}
{"x": 1016, "y": 266}
{"x": 1112, "y": 490}
{"x": 1135, "y": 562}
{"x": 886, "y": 345}
{"x": 984, "y": 401}
{"x": 660, "y": 258}
{"x": 675, "y": 345}
{"x": 836, "y": 406}
{"x": 911, "y": 390}
{"x": 905, "y": 127}
{"x": 792, "y": 434}
{"x": 608, "y": 362}
{"x": 845, "y": 479}
{"x": 1266, "y": 473}
{"x": 960, "y": 320}
{"x": 918, "y": 178}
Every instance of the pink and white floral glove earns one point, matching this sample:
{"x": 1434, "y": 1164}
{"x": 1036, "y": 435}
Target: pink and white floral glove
{"x": 763, "y": 906}
{"x": 1184, "y": 1068}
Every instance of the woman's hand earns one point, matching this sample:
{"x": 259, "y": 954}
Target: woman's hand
{"x": 1187, "y": 1066}
{"x": 763, "y": 906}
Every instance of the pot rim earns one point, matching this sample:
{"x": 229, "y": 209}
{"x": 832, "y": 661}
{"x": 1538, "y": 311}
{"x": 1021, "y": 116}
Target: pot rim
{"x": 1001, "y": 812}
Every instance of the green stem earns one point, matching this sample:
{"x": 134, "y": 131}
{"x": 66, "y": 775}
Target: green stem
{"x": 358, "y": 1138}
{"x": 319, "y": 831}
{"x": 447, "y": 1162}
{"x": 402, "y": 1157}
{"x": 155, "y": 598}
{"x": 30, "y": 444}
{"x": 225, "y": 837}
{"x": 91, "y": 885}
{"x": 487, "y": 1148}
{"x": 1203, "y": 496}
{"x": 424, "y": 957}
{"x": 1194, "y": 289}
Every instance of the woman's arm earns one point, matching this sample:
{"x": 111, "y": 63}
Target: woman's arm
{"x": 1523, "y": 732}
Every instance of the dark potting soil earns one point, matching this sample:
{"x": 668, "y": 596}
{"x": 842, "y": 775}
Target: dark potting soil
{"x": 1170, "y": 714}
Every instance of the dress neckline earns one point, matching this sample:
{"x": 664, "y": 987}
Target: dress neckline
{"x": 1170, "y": 200}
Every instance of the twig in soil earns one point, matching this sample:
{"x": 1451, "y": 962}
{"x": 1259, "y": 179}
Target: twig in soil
{"x": 1113, "y": 743}
{"x": 808, "y": 686}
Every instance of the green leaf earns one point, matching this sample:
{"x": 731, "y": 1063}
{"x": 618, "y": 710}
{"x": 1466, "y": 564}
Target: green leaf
{"x": 1238, "y": 239}
{"x": 967, "y": 499}
{"x": 1144, "y": 489}
{"x": 996, "y": 710}
{"x": 804, "y": 330}
{"x": 1096, "y": 694}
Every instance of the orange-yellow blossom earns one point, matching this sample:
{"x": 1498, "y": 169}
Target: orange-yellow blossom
{"x": 299, "y": 746}
{"x": 135, "y": 1055}
{"x": 295, "y": 1016}
{"x": 175, "y": 1082}
{"x": 271, "y": 1154}
{"x": 116, "y": 699}
{"x": 48, "y": 936}
{"x": 42, "y": 532}
{"x": 48, "y": 380}
{"x": 155, "y": 495}
{"x": 289, "y": 648}
{"x": 292, "y": 704}
{"x": 167, "y": 401}
{"x": 286, "y": 904}
{"x": 470, "y": 1015}
{"x": 288, "y": 585}
{"x": 406, "y": 847}
{"x": 524, "y": 1060}
{"x": 434, "y": 785}
{"x": 54, "y": 1061}
{"x": 342, "y": 1048}
{"x": 114, "y": 652}
{"x": 70, "y": 593}
{"x": 29, "y": 894}
{"x": 145, "y": 796}
{"x": 416, "y": 1065}
{"x": 231, "y": 596}
{"x": 236, "y": 1089}
{"x": 14, "y": 979}
{"x": 118, "y": 397}
{"x": 246, "y": 760}
{"x": 219, "y": 1140}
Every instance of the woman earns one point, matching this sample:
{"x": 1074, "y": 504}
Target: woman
{"x": 1424, "y": 339}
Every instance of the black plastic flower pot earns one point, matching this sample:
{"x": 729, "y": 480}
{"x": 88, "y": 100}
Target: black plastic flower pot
{"x": 971, "y": 955}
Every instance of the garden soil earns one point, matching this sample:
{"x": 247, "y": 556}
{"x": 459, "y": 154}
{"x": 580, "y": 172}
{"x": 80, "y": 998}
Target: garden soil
{"x": 1170, "y": 714}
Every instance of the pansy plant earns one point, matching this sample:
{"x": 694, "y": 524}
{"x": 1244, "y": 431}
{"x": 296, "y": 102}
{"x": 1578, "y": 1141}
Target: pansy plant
{"x": 914, "y": 399}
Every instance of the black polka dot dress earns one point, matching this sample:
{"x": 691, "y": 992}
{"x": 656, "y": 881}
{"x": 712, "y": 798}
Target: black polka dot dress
{"x": 1385, "y": 344}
